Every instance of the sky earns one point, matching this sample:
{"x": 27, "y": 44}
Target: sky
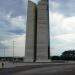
{"x": 12, "y": 27}
{"x": 62, "y": 25}
{"x": 13, "y": 14}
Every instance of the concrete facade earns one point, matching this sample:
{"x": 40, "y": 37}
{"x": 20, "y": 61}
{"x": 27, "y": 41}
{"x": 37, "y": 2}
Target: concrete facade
{"x": 30, "y": 32}
{"x": 37, "y": 32}
{"x": 42, "y": 31}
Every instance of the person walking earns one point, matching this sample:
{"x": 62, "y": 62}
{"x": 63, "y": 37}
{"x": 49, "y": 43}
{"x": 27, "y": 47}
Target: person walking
{"x": 2, "y": 65}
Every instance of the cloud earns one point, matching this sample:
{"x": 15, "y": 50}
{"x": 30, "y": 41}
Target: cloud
{"x": 2, "y": 46}
{"x": 15, "y": 6}
{"x": 60, "y": 24}
{"x": 62, "y": 31}
{"x": 13, "y": 28}
{"x": 35, "y": 1}
{"x": 18, "y": 25}
{"x": 19, "y": 46}
{"x": 53, "y": 6}
{"x": 18, "y": 21}
{"x": 17, "y": 31}
{"x": 12, "y": 24}
{"x": 65, "y": 7}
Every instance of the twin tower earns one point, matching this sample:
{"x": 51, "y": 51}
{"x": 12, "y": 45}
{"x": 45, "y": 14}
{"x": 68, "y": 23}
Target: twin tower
{"x": 37, "y": 32}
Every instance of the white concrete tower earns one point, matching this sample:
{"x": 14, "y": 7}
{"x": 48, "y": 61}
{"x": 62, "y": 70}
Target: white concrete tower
{"x": 43, "y": 31}
{"x": 30, "y": 32}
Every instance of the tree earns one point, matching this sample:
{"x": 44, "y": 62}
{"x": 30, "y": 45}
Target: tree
{"x": 68, "y": 55}
{"x": 55, "y": 57}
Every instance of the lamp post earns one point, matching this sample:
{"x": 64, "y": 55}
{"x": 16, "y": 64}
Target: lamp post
{"x": 13, "y": 51}
{"x": 4, "y": 53}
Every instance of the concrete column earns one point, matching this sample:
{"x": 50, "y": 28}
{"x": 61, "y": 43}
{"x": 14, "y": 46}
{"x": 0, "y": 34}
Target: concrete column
{"x": 42, "y": 31}
{"x": 30, "y": 32}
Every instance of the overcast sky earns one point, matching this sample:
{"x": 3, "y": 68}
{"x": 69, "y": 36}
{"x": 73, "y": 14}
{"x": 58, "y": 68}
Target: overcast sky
{"x": 62, "y": 25}
{"x": 12, "y": 27}
{"x": 13, "y": 24}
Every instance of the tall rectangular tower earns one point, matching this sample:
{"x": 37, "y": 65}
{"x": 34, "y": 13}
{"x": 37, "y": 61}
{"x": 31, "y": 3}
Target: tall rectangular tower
{"x": 43, "y": 31}
{"x": 30, "y": 32}
{"x": 37, "y": 32}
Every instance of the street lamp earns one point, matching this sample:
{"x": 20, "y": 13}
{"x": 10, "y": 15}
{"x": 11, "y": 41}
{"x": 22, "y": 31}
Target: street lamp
{"x": 13, "y": 51}
{"x": 4, "y": 53}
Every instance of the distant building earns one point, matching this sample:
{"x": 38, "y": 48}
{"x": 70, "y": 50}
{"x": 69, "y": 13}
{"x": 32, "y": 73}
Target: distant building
{"x": 10, "y": 59}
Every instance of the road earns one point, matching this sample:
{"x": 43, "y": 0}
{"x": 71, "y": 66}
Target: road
{"x": 41, "y": 69}
{"x": 50, "y": 70}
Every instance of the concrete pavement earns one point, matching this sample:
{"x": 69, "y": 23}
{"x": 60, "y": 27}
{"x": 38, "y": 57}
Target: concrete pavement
{"x": 38, "y": 69}
{"x": 50, "y": 70}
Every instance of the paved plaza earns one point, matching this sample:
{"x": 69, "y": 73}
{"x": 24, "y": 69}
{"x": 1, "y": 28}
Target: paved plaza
{"x": 51, "y": 70}
{"x": 67, "y": 68}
